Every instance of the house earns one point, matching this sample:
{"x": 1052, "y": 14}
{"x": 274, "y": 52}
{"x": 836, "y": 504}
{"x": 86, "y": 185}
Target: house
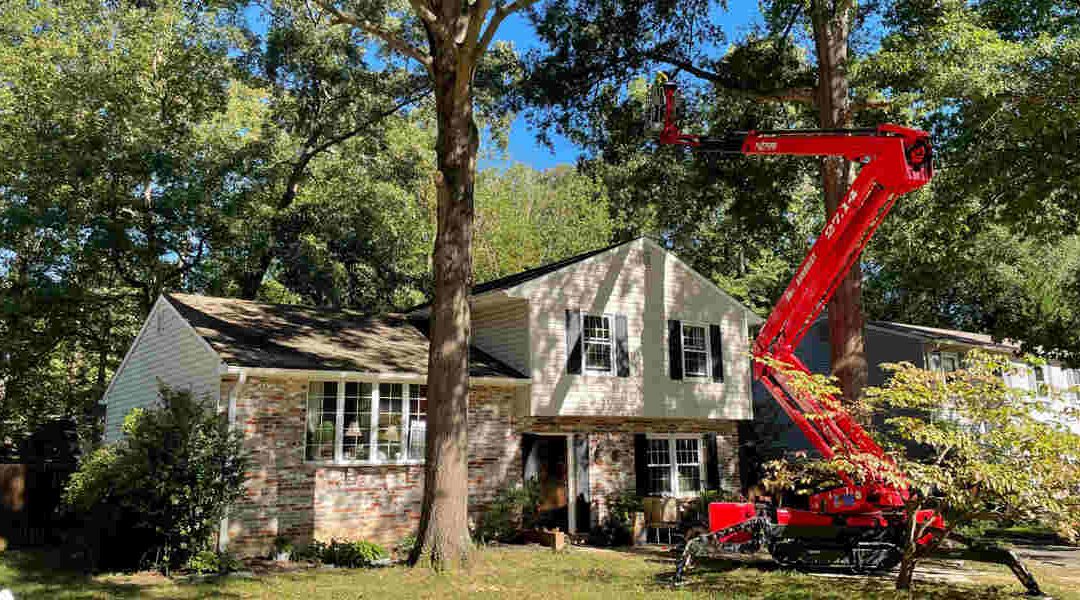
{"x": 618, "y": 369}
{"x": 927, "y": 348}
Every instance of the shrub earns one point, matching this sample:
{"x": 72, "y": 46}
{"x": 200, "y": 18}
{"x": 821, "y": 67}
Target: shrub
{"x": 405, "y": 546}
{"x": 342, "y": 553}
{"x": 514, "y": 508}
{"x": 208, "y": 561}
{"x": 617, "y": 528}
{"x": 156, "y": 497}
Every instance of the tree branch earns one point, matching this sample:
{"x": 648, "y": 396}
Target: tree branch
{"x": 803, "y": 95}
{"x": 390, "y": 38}
{"x": 687, "y": 66}
{"x": 423, "y": 11}
{"x": 501, "y": 12}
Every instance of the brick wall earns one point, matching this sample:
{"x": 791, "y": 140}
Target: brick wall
{"x": 304, "y": 501}
{"x": 611, "y": 449}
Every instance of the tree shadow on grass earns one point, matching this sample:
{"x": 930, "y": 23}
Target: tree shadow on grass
{"x": 32, "y": 574}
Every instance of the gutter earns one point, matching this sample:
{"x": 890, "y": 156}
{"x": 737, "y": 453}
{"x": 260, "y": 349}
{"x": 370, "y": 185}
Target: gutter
{"x": 367, "y": 375}
{"x": 234, "y": 393}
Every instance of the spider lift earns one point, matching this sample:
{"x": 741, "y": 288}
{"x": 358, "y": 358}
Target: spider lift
{"x": 860, "y": 524}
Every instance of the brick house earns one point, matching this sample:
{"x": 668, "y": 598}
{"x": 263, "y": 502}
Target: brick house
{"x": 618, "y": 369}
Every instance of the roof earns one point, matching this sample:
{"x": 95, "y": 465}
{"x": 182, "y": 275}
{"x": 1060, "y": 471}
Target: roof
{"x": 509, "y": 281}
{"x": 965, "y": 338}
{"x": 283, "y": 336}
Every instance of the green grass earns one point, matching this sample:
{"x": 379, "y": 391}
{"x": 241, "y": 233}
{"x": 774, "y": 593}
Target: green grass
{"x": 513, "y": 572}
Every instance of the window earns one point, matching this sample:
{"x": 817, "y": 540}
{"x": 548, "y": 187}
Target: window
{"x": 598, "y": 347}
{"x": 674, "y": 465}
{"x": 349, "y": 422}
{"x": 944, "y": 362}
{"x": 695, "y": 344}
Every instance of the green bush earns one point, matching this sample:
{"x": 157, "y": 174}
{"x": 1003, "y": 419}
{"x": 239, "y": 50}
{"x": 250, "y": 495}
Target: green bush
{"x": 617, "y": 528}
{"x": 513, "y": 509}
{"x": 208, "y": 561}
{"x": 155, "y": 498}
{"x": 405, "y": 546}
{"x": 342, "y": 553}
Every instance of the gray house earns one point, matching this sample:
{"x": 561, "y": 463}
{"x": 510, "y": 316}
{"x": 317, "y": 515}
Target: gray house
{"x": 771, "y": 433}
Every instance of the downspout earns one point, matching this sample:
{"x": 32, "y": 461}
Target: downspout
{"x": 234, "y": 393}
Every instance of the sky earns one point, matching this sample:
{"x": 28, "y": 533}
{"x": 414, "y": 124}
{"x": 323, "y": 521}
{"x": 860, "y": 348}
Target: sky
{"x": 523, "y": 147}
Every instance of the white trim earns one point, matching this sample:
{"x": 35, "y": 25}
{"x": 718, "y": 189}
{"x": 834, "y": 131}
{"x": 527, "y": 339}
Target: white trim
{"x": 234, "y": 393}
{"x": 708, "y": 351}
{"x": 614, "y": 369}
{"x": 674, "y": 464}
{"x": 384, "y": 377}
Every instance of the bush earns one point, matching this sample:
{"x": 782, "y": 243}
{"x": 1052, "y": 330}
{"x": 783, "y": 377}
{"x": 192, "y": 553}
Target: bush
{"x": 617, "y": 528}
{"x": 155, "y": 498}
{"x": 513, "y": 509}
{"x": 405, "y": 546}
{"x": 208, "y": 561}
{"x": 342, "y": 553}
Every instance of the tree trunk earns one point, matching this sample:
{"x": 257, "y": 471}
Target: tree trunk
{"x": 846, "y": 320}
{"x": 443, "y": 539}
{"x": 907, "y": 571}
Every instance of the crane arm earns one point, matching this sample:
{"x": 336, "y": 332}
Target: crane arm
{"x": 895, "y": 160}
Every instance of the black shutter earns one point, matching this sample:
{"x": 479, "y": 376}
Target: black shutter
{"x": 573, "y": 341}
{"x": 622, "y": 352}
{"x": 675, "y": 348}
{"x": 712, "y": 463}
{"x": 582, "y": 504}
{"x": 717, "y": 348}
{"x": 641, "y": 464}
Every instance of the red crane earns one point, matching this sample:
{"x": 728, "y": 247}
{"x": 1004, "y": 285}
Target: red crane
{"x": 860, "y": 524}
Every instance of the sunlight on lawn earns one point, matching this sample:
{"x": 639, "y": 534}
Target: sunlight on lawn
{"x": 512, "y": 572}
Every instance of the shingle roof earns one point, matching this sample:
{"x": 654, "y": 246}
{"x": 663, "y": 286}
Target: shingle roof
{"x": 258, "y": 334}
{"x": 966, "y": 338}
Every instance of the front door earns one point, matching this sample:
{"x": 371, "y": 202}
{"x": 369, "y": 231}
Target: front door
{"x": 545, "y": 459}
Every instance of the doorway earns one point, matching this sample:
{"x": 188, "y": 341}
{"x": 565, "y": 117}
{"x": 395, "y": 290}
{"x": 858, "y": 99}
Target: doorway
{"x": 545, "y": 458}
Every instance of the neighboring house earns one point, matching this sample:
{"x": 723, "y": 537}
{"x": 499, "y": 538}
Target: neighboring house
{"x": 618, "y": 369}
{"x": 927, "y": 348}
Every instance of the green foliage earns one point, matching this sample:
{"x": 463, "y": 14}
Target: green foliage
{"x": 514, "y": 508}
{"x": 211, "y": 562}
{"x": 342, "y": 553}
{"x": 163, "y": 489}
{"x": 617, "y": 527}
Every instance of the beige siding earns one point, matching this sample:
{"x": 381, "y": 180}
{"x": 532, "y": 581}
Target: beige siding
{"x": 168, "y": 350}
{"x": 649, "y": 286}
{"x": 501, "y": 329}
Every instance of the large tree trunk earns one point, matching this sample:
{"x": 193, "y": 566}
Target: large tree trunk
{"x": 846, "y": 320}
{"x": 443, "y": 539}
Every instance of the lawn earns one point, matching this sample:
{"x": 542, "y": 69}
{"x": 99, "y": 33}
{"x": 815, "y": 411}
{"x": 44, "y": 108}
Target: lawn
{"x": 512, "y": 572}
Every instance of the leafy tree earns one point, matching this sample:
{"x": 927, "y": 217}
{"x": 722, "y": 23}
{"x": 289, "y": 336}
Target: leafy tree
{"x": 967, "y": 447}
{"x": 458, "y": 36}
{"x": 526, "y": 218}
{"x": 163, "y": 488}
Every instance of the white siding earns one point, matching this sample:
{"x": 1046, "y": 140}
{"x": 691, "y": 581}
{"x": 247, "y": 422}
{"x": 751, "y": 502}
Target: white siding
{"x": 169, "y": 351}
{"x": 649, "y": 285}
{"x": 501, "y": 328}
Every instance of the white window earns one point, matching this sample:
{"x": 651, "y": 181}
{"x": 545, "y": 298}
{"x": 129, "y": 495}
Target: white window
{"x": 695, "y": 350}
{"x": 598, "y": 339}
{"x": 675, "y": 465}
{"x": 944, "y": 362}
{"x": 365, "y": 422}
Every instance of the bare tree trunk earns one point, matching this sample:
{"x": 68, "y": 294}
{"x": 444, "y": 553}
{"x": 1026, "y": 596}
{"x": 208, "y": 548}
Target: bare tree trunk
{"x": 846, "y": 320}
{"x": 907, "y": 571}
{"x": 443, "y": 540}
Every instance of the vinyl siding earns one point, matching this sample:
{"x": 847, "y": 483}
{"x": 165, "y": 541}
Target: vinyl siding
{"x": 501, "y": 328}
{"x": 169, "y": 351}
{"x": 649, "y": 286}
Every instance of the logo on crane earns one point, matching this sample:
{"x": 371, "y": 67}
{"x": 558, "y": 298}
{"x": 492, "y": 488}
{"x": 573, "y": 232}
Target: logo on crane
{"x": 765, "y": 146}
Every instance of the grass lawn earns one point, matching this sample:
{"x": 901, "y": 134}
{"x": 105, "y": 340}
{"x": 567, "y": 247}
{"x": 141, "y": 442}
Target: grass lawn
{"x": 514, "y": 572}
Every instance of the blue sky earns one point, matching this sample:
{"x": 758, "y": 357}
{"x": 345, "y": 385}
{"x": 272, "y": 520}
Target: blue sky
{"x": 523, "y": 147}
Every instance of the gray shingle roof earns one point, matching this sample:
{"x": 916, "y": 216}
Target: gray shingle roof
{"x": 259, "y": 334}
{"x": 965, "y": 338}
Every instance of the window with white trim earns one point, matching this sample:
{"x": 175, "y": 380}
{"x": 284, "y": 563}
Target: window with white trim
{"x": 365, "y": 422}
{"x": 944, "y": 362}
{"x": 675, "y": 465}
{"x": 599, "y": 343}
{"x": 695, "y": 350}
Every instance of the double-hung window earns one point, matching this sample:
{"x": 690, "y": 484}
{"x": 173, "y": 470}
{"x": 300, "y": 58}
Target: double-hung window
{"x": 598, "y": 339}
{"x": 365, "y": 422}
{"x": 675, "y": 465}
{"x": 695, "y": 350}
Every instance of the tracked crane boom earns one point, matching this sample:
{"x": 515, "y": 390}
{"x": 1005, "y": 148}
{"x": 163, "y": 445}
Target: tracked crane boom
{"x": 861, "y": 523}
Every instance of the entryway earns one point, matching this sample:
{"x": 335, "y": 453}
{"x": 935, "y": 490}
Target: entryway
{"x": 545, "y": 458}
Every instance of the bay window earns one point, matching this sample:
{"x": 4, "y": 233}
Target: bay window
{"x": 365, "y": 422}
